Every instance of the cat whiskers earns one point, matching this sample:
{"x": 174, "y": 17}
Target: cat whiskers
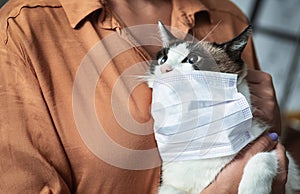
{"x": 211, "y": 31}
{"x": 157, "y": 39}
{"x": 148, "y": 77}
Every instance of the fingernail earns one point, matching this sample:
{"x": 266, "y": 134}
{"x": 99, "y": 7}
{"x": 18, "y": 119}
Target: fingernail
{"x": 273, "y": 136}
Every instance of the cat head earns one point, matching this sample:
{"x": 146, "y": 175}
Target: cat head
{"x": 184, "y": 55}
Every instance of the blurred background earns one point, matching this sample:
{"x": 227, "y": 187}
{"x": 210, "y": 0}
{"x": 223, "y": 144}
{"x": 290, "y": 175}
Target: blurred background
{"x": 2, "y": 2}
{"x": 277, "y": 39}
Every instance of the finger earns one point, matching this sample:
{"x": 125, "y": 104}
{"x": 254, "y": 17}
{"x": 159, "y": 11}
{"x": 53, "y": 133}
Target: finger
{"x": 255, "y": 100}
{"x": 256, "y": 76}
{"x": 262, "y": 117}
{"x": 265, "y": 103}
{"x": 283, "y": 162}
{"x": 268, "y": 112}
{"x": 274, "y": 125}
{"x": 264, "y": 110}
{"x": 235, "y": 168}
{"x": 264, "y": 143}
{"x": 267, "y": 92}
{"x": 278, "y": 186}
{"x": 258, "y": 113}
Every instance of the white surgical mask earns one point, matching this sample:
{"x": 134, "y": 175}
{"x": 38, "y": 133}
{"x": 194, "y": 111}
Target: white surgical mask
{"x": 199, "y": 115}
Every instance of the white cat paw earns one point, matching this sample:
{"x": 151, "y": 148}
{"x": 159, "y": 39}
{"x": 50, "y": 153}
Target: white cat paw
{"x": 258, "y": 174}
{"x": 168, "y": 189}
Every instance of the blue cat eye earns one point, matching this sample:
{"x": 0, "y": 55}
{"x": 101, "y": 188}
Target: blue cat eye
{"x": 162, "y": 59}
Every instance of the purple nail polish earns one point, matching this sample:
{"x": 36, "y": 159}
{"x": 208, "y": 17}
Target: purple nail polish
{"x": 273, "y": 136}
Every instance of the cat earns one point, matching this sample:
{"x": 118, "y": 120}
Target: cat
{"x": 193, "y": 176}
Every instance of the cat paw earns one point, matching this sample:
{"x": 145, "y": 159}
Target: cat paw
{"x": 168, "y": 189}
{"x": 258, "y": 174}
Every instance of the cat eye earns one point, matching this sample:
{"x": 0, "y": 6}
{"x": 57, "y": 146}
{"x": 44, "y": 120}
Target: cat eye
{"x": 191, "y": 59}
{"x": 161, "y": 60}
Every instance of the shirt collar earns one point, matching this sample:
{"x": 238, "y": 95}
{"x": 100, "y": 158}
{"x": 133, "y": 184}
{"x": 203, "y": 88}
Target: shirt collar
{"x": 182, "y": 16}
{"x": 77, "y": 10}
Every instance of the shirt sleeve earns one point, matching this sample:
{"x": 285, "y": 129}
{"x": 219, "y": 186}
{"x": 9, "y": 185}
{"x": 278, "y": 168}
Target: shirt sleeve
{"x": 32, "y": 158}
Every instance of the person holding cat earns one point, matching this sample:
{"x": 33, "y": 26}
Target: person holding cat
{"x": 48, "y": 146}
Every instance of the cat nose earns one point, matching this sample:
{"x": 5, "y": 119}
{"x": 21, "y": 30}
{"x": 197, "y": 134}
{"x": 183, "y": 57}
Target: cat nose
{"x": 166, "y": 68}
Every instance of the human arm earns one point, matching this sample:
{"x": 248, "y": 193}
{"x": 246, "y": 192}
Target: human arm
{"x": 32, "y": 159}
{"x": 227, "y": 182}
{"x": 264, "y": 100}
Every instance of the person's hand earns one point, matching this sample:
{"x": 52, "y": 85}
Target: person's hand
{"x": 228, "y": 180}
{"x": 279, "y": 181}
{"x": 263, "y": 99}
{"x": 266, "y": 108}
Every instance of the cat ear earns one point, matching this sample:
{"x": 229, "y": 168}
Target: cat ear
{"x": 165, "y": 35}
{"x": 236, "y": 46}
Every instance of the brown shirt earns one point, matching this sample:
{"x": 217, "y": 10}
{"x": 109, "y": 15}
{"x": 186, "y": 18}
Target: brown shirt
{"x": 74, "y": 118}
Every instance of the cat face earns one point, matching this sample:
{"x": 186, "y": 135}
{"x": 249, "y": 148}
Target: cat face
{"x": 177, "y": 56}
{"x": 184, "y": 55}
